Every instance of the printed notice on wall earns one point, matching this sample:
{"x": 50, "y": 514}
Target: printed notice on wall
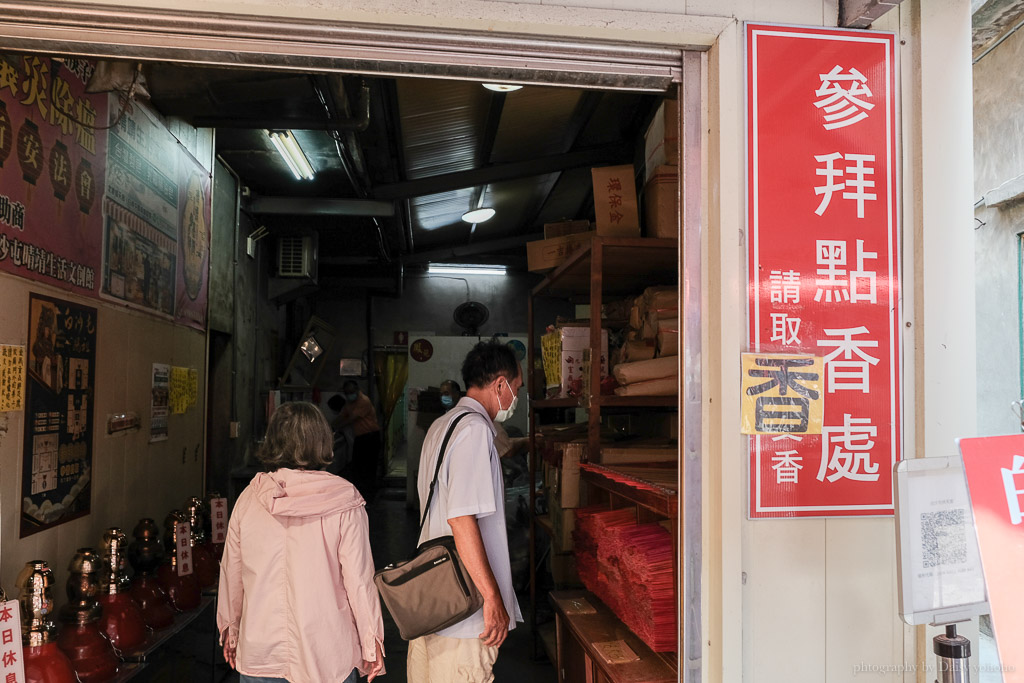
{"x": 179, "y": 390}
{"x": 193, "y": 387}
{"x": 59, "y": 393}
{"x": 159, "y": 408}
{"x": 12, "y": 373}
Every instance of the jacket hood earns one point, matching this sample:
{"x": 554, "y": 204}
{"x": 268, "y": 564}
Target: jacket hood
{"x": 304, "y": 493}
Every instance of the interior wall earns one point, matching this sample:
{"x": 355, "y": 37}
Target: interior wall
{"x": 131, "y": 478}
{"x": 998, "y": 117}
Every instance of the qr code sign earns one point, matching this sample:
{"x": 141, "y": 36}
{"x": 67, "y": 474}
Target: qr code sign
{"x": 943, "y": 540}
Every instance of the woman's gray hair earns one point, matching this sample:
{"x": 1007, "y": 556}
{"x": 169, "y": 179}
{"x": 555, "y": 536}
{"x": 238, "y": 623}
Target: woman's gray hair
{"x": 298, "y": 438}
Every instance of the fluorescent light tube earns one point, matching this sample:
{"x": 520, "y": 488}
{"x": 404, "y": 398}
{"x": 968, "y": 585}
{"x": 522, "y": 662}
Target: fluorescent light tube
{"x": 464, "y": 269}
{"x": 288, "y": 147}
{"x": 501, "y": 87}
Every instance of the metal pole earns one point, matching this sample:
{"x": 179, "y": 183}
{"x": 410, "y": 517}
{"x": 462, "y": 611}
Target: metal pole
{"x": 953, "y": 656}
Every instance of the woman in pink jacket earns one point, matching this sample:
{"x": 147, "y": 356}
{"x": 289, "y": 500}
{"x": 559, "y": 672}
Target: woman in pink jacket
{"x": 297, "y": 600}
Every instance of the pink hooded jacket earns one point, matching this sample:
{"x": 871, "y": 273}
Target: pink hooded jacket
{"x": 296, "y": 582}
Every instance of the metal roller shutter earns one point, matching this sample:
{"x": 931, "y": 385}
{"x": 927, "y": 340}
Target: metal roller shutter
{"x": 294, "y": 44}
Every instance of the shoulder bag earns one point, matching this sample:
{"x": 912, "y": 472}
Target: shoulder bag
{"x": 432, "y": 590}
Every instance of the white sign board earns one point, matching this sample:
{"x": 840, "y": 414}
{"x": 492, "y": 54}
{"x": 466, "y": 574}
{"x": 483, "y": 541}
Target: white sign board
{"x": 940, "y": 576}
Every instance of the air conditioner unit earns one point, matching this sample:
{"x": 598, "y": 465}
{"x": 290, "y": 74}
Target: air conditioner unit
{"x": 296, "y": 256}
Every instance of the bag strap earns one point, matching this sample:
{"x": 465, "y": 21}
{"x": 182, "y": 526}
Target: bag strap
{"x": 437, "y": 469}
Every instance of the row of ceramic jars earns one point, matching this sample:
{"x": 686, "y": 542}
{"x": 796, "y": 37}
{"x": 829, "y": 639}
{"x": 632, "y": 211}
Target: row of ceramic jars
{"x": 108, "y": 614}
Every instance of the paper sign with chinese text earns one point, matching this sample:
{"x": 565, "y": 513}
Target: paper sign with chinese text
{"x": 53, "y": 152}
{"x": 218, "y": 519}
{"x": 995, "y": 478}
{"x": 179, "y": 390}
{"x": 60, "y": 392}
{"x": 823, "y": 270}
{"x": 183, "y": 549}
{"x": 12, "y": 377}
{"x": 782, "y": 394}
{"x": 12, "y": 661}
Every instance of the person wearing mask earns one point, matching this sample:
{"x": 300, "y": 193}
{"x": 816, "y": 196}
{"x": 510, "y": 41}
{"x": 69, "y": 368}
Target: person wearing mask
{"x": 360, "y": 415}
{"x": 469, "y": 504}
{"x": 451, "y": 392}
{"x": 297, "y": 603}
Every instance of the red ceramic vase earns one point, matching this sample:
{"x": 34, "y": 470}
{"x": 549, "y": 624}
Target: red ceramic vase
{"x": 122, "y": 621}
{"x": 90, "y": 653}
{"x": 184, "y": 591}
{"x": 47, "y": 664}
{"x": 153, "y": 602}
{"x": 205, "y": 565}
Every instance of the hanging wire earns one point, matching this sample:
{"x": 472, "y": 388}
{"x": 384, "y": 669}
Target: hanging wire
{"x": 126, "y": 97}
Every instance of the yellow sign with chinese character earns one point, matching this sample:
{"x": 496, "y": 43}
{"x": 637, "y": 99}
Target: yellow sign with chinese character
{"x": 178, "y": 390}
{"x": 12, "y": 375}
{"x": 782, "y": 393}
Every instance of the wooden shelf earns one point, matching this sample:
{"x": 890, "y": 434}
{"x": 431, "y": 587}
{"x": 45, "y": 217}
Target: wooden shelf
{"x": 544, "y": 523}
{"x": 627, "y": 262}
{"x": 612, "y": 401}
{"x": 158, "y": 638}
{"x": 563, "y": 402}
{"x": 603, "y": 626}
{"x": 656, "y": 497}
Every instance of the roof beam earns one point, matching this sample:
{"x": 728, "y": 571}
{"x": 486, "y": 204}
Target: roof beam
{"x": 863, "y": 13}
{"x": 591, "y": 156}
{"x": 470, "y": 250}
{"x": 319, "y": 206}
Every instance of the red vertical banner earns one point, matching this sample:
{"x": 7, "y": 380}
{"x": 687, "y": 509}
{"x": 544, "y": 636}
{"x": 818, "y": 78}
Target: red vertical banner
{"x": 823, "y": 270}
{"x": 995, "y": 477}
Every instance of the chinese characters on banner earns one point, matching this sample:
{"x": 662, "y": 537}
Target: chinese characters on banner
{"x": 995, "y": 478}
{"x": 179, "y": 390}
{"x": 12, "y": 377}
{"x": 218, "y": 519}
{"x": 59, "y": 398}
{"x": 12, "y": 662}
{"x": 823, "y": 274}
{"x": 157, "y": 241}
{"x": 782, "y": 396}
{"x": 51, "y": 172}
{"x": 183, "y": 550}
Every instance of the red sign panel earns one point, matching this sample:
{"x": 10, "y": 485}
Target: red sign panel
{"x": 995, "y": 478}
{"x": 52, "y": 159}
{"x": 823, "y": 275}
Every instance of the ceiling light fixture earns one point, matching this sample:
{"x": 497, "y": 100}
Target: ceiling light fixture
{"x": 311, "y": 348}
{"x": 478, "y": 215}
{"x": 465, "y": 269}
{"x": 288, "y": 147}
{"x": 502, "y": 87}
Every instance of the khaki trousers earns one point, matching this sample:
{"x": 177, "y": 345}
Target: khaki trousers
{"x": 437, "y": 659}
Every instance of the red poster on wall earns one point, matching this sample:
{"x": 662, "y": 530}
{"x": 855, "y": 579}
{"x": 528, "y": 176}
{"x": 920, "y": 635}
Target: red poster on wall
{"x": 823, "y": 271}
{"x": 995, "y": 478}
{"x": 52, "y": 166}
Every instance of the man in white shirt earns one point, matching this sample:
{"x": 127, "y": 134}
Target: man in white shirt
{"x": 469, "y": 504}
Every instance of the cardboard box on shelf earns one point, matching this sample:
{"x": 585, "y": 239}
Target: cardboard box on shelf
{"x": 563, "y": 480}
{"x": 661, "y": 141}
{"x": 661, "y": 205}
{"x": 574, "y": 340}
{"x": 563, "y": 569}
{"x": 644, "y": 451}
{"x": 615, "y": 205}
{"x": 563, "y": 228}
{"x": 544, "y": 255}
{"x": 563, "y": 521}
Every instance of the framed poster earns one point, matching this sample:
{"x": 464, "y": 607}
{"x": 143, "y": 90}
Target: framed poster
{"x": 823, "y": 268}
{"x": 59, "y": 398}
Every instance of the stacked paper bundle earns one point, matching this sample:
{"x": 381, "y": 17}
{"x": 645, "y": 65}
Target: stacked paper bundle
{"x": 630, "y": 567}
{"x": 654, "y": 320}
{"x": 639, "y": 561}
{"x": 655, "y": 377}
{"x": 592, "y": 523}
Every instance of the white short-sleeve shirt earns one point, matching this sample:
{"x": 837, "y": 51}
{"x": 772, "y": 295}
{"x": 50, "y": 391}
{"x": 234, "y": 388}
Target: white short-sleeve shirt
{"x": 469, "y": 483}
